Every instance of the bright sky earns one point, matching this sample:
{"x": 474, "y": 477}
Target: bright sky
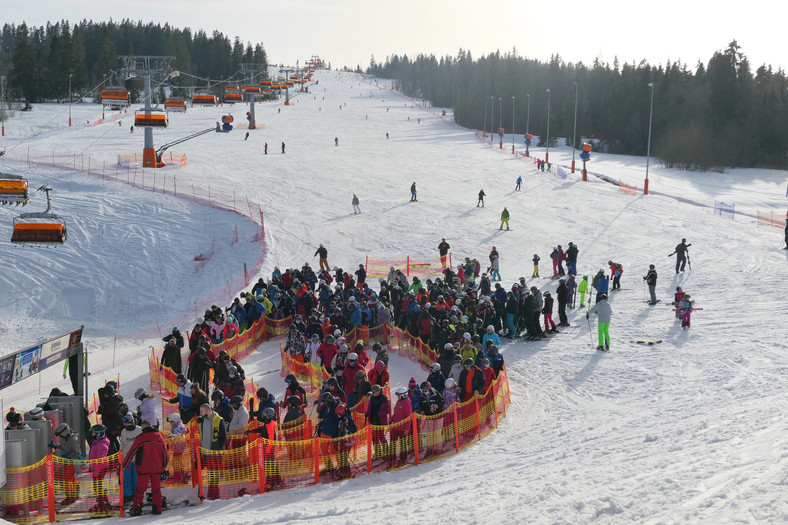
{"x": 348, "y": 32}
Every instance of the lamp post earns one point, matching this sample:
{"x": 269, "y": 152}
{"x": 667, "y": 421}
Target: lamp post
{"x": 512, "y": 125}
{"x": 103, "y": 86}
{"x": 547, "y": 153}
{"x": 484, "y": 128}
{"x": 648, "y": 147}
{"x": 69, "y": 98}
{"x": 492, "y": 117}
{"x": 528, "y": 126}
{"x": 500, "y": 120}
{"x": 574, "y": 133}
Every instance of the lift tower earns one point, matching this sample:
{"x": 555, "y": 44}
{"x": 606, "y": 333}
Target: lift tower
{"x": 252, "y": 69}
{"x": 287, "y": 71}
{"x": 147, "y": 67}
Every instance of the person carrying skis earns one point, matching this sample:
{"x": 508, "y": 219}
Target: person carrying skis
{"x": 413, "y": 192}
{"x": 651, "y": 281}
{"x": 519, "y": 183}
{"x": 504, "y": 218}
{"x": 536, "y": 260}
{"x": 681, "y": 253}
{"x": 603, "y": 312}
{"x": 356, "y": 207}
{"x": 443, "y": 249}
{"x": 481, "y": 198}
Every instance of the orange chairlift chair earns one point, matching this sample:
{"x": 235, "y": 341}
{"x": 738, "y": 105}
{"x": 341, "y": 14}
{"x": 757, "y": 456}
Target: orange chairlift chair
{"x": 40, "y": 227}
{"x": 154, "y": 118}
{"x": 13, "y": 189}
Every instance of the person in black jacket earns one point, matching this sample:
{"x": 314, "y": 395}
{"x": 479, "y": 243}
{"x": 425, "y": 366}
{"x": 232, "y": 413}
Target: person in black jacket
{"x": 547, "y": 310}
{"x": 323, "y": 253}
{"x": 171, "y": 356}
{"x": 571, "y": 259}
{"x": 361, "y": 274}
{"x": 443, "y": 249}
{"x": 651, "y": 281}
{"x": 176, "y": 335}
{"x": 481, "y": 198}
{"x": 681, "y": 252}
{"x": 563, "y": 298}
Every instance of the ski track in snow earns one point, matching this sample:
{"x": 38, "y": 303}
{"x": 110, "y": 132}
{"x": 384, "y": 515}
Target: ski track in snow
{"x": 688, "y": 431}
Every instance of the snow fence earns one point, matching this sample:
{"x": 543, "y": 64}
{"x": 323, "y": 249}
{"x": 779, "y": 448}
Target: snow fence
{"x": 409, "y": 266}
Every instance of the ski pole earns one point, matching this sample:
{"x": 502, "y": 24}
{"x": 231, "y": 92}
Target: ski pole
{"x": 590, "y": 335}
{"x": 688, "y": 261}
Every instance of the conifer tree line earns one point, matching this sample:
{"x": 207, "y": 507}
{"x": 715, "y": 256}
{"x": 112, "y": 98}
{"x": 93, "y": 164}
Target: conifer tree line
{"x": 37, "y": 61}
{"x": 720, "y": 115}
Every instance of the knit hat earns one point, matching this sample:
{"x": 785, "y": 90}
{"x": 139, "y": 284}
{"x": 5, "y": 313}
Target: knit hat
{"x": 412, "y": 382}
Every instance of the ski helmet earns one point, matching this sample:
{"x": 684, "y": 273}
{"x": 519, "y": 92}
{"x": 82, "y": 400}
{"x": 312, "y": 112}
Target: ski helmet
{"x": 269, "y": 414}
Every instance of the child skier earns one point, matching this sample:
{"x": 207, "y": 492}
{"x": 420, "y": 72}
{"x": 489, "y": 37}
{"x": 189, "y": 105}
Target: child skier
{"x": 547, "y": 310}
{"x": 677, "y": 298}
{"x": 686, "y": 311}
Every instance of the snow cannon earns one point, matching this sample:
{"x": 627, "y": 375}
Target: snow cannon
{"x": 585, "y": 154}
{"x": 528, "y": 140}
{"x": 227, "y": 123}
{"x": 249, "y": 116}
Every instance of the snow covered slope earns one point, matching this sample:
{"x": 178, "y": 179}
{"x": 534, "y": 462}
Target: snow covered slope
{"x": 691, "y": 430}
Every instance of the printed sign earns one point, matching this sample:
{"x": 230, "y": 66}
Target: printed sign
{"x": 7, "y": 370}
{"x": 54, "y": 351}
{"x": 26, "y": 363}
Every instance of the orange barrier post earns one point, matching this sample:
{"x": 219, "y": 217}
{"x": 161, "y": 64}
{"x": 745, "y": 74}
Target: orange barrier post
{"x": 369, "y": 449}
{"x": 316, "y": 453}
{"x": 51, "y": 487}
{"x": 407, "y": 267}
{"x": 415, "y": 425}
{"x": 120, "y": 481}
{"x": 261, "y": 465}
{"x": 456, "y": 429}
{"x": 199, "y": 472}
{"x": 478, "y": 423}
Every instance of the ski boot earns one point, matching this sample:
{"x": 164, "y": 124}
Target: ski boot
{"x": 136, "y": 510}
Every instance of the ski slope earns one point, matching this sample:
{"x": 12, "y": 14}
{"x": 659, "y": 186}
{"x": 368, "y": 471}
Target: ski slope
{"x": 691, "y": 430}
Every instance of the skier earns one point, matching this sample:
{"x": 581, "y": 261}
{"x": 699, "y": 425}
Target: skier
{"x": 443, "y": 249}
{"x": 561, "y": 257}
{"x": 536, "y": 266}
{"x": 547, "y": 310}
{"x": 571, "y": 259}
{"x": 246, "y": 137}
{"x": 323, "y": 253}
{"x": 571, "y": 287}
{"x": 504, "y": 218}
{"x": 131, "y": 130}
{"x": 413, "y": 193}
{"x": 481, "y": 198}
{"x": 150, "y": 452}
{"x": 556, "y": 258}
{"x": 651, "y": 280}
{"x": 686, "y": 311}
{"x": 283, "y": 148}
{"x": 265, "y": 150}
{"x": 494, "y": 265}
{"x": 786, "y": 235}
{"x": 519, "y": 183}
{"x": 563, "y": 298}
{"x": 387, "y": 134}
{"x": 681, "y": 253}
{"x": 356, "y": 207}
{"x": 677, "y": 298}
{"x": 615, "y": 273}
{"x": 336, "y": 141}
{"x": 603, "y": 311}
{"x": 601, "y": 285}
{"x": 583, "y": 288}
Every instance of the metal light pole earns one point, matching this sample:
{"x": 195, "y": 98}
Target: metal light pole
{"x": 500, "y": 120}
{"x": 2, "y": 103}
{"x": 574, "y": 133}
{"x": 528, "y": 126}
{"x": 547, "y": 153}
{"x": 512, "y": 125}
{"x": 648, "y": 147}
{"x": 492, "y": 117}
{"x": 69, "y": 98}
{"x": 103, "y": 86}
{"x": 484, "y": 128}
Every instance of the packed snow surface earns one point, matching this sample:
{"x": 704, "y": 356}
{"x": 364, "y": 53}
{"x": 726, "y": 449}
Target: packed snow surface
{"x": 691, "y": 430}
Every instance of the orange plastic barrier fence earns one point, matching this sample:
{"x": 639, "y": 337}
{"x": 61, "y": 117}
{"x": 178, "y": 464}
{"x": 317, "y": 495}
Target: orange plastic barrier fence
{"x": 55, "y": 489}
{"x": 627, "y": 188}
{"x": 769, "y": 218}
{"x": 410, "y": 266}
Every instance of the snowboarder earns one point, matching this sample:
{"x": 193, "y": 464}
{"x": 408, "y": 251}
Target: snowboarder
{"x": 681, "y": 253}
{"x": 356, "y": 207}
{"x": 583, "y": 288}
{"x": 283, "y": 147}
{"x": 536, "y": 266}
{"x": 481, "y": 198}
{"x": 603, "y": 312}
{"x": 504, "y": 218}
{"x": 413, "y": 193}
{"x": 651, "y": 281}
{"x": 336, "y": 141}
{"x": 265, "y": 150}
{"x": 323, "y": 253}
{"x": 443, "y": 249}
{"x": 519, "y": 183}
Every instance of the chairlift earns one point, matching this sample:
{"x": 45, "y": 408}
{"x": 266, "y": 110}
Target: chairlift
{"x": 233, "y": 97}
{"x": 13, "y": 189}
{"x": 115, "y": 97}
{"x": 40, "y": 227}
{"x": 205, "y": 99}
{"x": 154, "y": 118}
{"x": 177, "y": 105}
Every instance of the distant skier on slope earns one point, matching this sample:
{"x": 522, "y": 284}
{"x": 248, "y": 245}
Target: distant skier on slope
{"x": 681, "y": 253}
{"x": 519, "y": 183}
{"x": 283, "y": 147}
{"x": 356, "y": 207}
{"x": 651, "y": 281}
{"x": 504, "y": 218}
{"x": 481, "y": 198}
{"x": 413, "y": 193}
